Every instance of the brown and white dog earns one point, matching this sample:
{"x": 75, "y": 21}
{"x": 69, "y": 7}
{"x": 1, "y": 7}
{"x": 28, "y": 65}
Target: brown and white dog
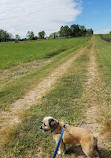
{"x": 72, "y": 135}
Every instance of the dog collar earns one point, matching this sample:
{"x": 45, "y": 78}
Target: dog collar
{"x": 55, "y": 127}
{"x": 61, "y": 130}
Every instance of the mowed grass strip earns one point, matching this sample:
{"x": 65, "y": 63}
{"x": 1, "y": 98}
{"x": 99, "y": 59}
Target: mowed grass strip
{"x": 103, "y": 56}
{"x": 16, "y": 88}
{"x": 64, "y": 103}
{"x": 104, "y": 63}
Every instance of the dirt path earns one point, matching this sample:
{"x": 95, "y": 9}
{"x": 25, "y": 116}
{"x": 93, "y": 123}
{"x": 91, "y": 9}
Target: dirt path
{"x": 91, "y": 93}
{"x": 10, "y": 118}
{"x": 94, "y": 98}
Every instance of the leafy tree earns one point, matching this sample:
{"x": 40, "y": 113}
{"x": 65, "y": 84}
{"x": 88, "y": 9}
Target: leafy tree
{"x": 5, "y": 36}
{"x": 35, "y": 38}
{"x": 89, "y": 31}
{"x": 30, "y": 35}
{"x": 110, "y": 32}
{"x": 24, "y": 39}
{"x": 75, "y": 30}
{"x": 17, "y": 38}
{"x": 41, "y": 34}
{"x": 65, "y": 31}
{"x": 83, "y": 30}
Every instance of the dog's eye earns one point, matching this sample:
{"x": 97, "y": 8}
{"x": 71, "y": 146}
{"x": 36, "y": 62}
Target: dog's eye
{"x": 44, "y": 124}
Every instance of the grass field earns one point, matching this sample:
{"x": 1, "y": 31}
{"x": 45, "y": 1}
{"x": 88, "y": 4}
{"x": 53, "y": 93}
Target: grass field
{"x": 68, "y": 101}
{"x": 13, "y": 54}
{"x": 107, "y": 35}
{"x": 103, "y": 56}
{"x": 63, "y": 103}
{"x": 19, "y": 80}
{"x": 104, "y": 63}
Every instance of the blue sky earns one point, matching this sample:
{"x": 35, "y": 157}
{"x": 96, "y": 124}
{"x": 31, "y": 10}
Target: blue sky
{"x": 20, "y": 16}
{"x": 96, "y": 14}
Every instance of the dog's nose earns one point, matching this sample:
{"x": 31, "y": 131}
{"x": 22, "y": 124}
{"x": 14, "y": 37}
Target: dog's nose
{"x": 41, "y": 127}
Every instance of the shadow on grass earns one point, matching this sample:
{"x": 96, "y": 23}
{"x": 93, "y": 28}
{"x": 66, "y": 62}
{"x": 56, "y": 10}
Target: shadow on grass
{"x": 105, "y": 153}
{"x": 77, "y": 151}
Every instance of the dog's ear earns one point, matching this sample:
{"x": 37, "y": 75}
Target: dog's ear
{"x": 51, "y": 122}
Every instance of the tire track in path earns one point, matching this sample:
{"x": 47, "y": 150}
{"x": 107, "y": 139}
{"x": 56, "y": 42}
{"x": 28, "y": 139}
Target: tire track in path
{"x": 10, "y": 118}
{"x": 94, "y": 98}
{"x": 91, "y": 94}
{"x": 89, "y": 98}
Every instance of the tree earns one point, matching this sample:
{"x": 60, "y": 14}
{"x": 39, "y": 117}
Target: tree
{"x": 5, "y": 36}
{"x": 35, "y": 38}
{"x": 41, "y": 34}
{"x": 75, "y": 30}
{"x": 17, "y": 38}
{"x": 83, "y": 30}
{"x": 89, "y": 31}
{"x": 30, "y": 35}
{"x": 65, "y": 31}
{"x": 110, "y": 32}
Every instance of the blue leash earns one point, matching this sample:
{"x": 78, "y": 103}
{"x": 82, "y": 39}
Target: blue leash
{"x": 60, "y": 139}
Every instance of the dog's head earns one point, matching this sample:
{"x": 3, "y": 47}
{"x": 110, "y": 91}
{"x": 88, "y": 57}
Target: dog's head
{"x": 48, "y": 124}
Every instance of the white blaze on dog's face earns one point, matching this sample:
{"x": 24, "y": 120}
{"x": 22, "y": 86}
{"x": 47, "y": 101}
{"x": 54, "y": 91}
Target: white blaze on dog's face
{"x": 48, "y": 123}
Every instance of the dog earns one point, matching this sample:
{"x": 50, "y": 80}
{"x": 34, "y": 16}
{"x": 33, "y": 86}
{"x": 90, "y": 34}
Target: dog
{"x": 72, "y": 135}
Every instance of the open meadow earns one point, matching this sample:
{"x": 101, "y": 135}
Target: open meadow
{"x": 68, "y": 79}
{"x": 24, "y": 64}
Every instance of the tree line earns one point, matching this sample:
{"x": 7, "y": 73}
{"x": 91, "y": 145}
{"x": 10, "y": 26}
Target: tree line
{"x": 74, "y": 30}
{"x": 6, "y": 36}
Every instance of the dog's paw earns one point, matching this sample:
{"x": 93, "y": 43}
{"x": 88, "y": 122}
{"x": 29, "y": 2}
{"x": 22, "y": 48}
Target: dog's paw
{"x": 59, "y": 152}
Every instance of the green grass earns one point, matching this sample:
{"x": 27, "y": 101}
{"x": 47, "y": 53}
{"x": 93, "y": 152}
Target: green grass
{"x": 103, "y": 56}
{"x": 13, "y": 54}
{"x": 16, "y": 88}
{"x": 63, "y": 102}
{"x": 104, "y": 60}
{"x": 107, "y": 35}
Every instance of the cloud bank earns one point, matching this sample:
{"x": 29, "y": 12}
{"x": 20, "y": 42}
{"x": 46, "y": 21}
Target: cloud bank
{"x": 18, "y": 17}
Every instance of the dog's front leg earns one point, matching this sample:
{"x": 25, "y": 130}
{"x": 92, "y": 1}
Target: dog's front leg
{"x": 62, "y": 149}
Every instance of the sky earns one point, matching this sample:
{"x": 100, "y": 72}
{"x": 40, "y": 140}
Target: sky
{"x": 20, "y": 16}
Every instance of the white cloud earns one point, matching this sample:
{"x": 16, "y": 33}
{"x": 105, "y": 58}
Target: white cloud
{"x": 103, "y": 31}
{"x": 20, "y": 16}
